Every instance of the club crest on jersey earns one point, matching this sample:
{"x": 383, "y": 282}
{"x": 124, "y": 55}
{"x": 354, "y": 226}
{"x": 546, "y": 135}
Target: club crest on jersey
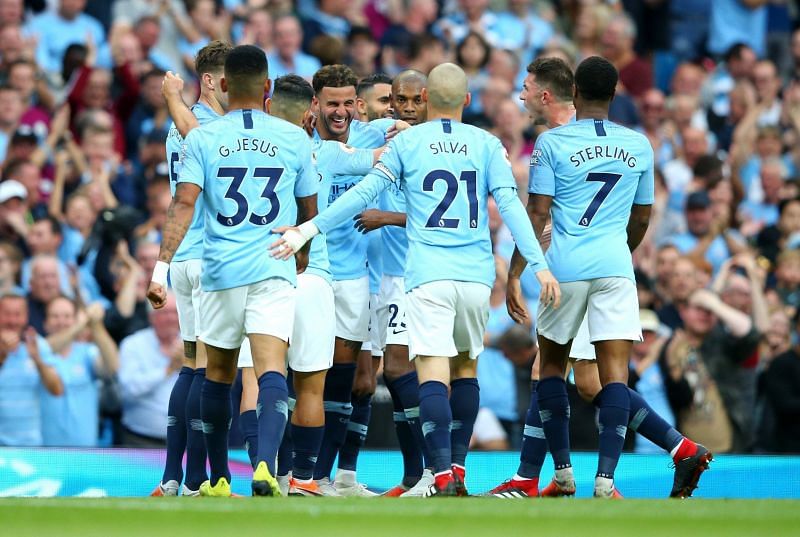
{"x": 535, "y": 157}
{"x": 347, "y": 148}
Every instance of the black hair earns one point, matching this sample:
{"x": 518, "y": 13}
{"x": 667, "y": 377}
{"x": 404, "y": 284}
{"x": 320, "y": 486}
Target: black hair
{"x": 555, "y": 75}
{"x": 371, "y": 81}
{"x": 293, "y": 88}
{"x": 596, "y": 79}
{"x": 55, "y": 225}
{"x": 246, "y": 71}
{"x": 735, "y": 52}
{"x": 783, "y": 204}
{"x": 487, "y": 49}
{"x": 334, "y": 76}
{"x": 359, "y": 31}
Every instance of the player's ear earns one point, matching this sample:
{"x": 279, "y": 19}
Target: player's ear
{"x": 467, "y": 99}
{"x": 223, "y": 85}
{"x": 268, "y": 104}
{"x": 361, "y": 107}
{"x": 424, "y": 95}
{"x": 267, "y": 86}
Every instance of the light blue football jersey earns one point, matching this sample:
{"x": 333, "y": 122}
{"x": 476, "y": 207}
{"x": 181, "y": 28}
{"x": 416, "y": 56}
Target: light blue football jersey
{"x": 447, "y": 170}
{"x": 595, "y": 171}
{"x": 192, "y": 245}
{"x": 393, "y": 238}
{"x": 333, "y": 159}
{"x": 347, "y": 247}
{"x": 251, "y": 167}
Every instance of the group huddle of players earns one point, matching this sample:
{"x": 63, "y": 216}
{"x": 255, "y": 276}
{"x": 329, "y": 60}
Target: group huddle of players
{"x": 301, "y": 235}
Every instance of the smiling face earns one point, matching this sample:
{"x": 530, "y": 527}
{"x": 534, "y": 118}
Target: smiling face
{"x": 337, "y": 107}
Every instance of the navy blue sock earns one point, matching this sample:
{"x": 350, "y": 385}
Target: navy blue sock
{"x": 338, "y": 407}
{"x": 436, "y": 417}
{"x": 534, "y": 444}
{"x": 412, "y": 455}
{"x": 407, "y": 388}
{"x": 645, "y": 421}
{"x": 356, "y": 432}
{"x": 285, "y": 450}
{"x": 273, "y": 412}
{"x": 176, "y": 426}
{"x": 465, "y": 400}
{"x": 248, "y": 424}
{"x": 307, "y": 441}
{"x": 554, "y": 412}
{"x": 614, "y": 412}
{"x": 195, "y": 441}
{"x": 215, "y": 406}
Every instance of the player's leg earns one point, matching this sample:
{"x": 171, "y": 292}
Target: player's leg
{"x": 269, "y": 321}
{"x": 285, "y": 450}
{"x": 196, "y": 457}
{"x": 248, "y": 417}
{"x": 352, "y": 329}
{"x": 557, "y": 328}
{"x": 310, "y": 357}
{"x": 176, "y": 408}
{"x": 431, "y": 313}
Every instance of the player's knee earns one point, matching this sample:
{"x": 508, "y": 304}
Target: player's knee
{"x": 396, "y": 362}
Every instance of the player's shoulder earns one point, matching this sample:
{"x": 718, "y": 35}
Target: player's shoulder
{"x": 622, "y": 131}
{"x": 383, "y": 124}
{"x": 203, "y": 113}
{"x": 366, "y": 133}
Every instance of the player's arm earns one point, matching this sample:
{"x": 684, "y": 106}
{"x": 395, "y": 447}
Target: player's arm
{"x": 171, "y": 89}
{"x": 638, "y": 222}
{"x": 306, "y": 210}
{"x": 373, "y": 219}
{"x": 354, "y": 201}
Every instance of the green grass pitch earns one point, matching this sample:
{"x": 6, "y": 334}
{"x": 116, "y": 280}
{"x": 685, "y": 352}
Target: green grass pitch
{"x": 379, "y": 517}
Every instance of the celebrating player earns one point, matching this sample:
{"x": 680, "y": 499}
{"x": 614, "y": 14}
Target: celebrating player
{"x": 447, "y": 170}
{"x": 254, "y": 172}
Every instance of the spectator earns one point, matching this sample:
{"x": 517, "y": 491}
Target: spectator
{"x": 56, "y": 30}
{"x": 525, "y": 29}
{"x": 10, "y": 262}
{"x": 258, "y": 30}
{"x": 362, "y": 51}
{"x": 682, "y": 281}
{"x": 646, "y": 377}
{"x": 45, "y": 285}
{"x": 72, "y": 419}
{"x": 652, "y": 112}
{"x": 590, "y": 24}
{"x": 635, "y": 74}
{"x": 781, "y": 235}
{"x": 329, "y": 18}
{"x": 472, "y": 54}
{"x": 787, "y": 278}
{"x": 287, "y": 57}
{"x": 11, "y": 109}
{"x": 149, "y": 362}
{"x": 738, "y": 66}
{"x": 702, "y": 361}
{"x": 737, "y": 21}
{"x": 128, "y": 313}
{"x": 782, "y": 389}
{"x": 147, "y": 32}
{"x": 426, "y": 52}
{"x": 758, "y": 215}
{"x": 26, "y": 371}
{"x": 768, "y": 87}
{"x": 678, "y": 172}
{"x": 473, "y": 16}
{"x": 14, "y": 212}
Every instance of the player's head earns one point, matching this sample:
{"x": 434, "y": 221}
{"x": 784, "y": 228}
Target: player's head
{"x": 447, "y": 89}
{"x": 595, "y": 82}
{"x": 246, "y": 75}
{"x": 407, "y": 96}
{"x": 291, "y": 99}
{"x": 549, "y": 82}
{"x": 373, "y": 97}
{"x": 210, "y": 67}
{"x": 335, "y": 89}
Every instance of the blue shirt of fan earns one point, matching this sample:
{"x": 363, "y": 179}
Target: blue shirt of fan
{"x": 347, "y": 247}
{"x": 251, "y": 167}
{"x": 192, "y": 245}
{"x": 595, "y": 171}
{"x": 332, "y": 159}
{"x": 394, "y": 241}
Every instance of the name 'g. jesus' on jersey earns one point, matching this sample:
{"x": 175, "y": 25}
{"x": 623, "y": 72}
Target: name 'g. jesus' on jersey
{"x": 251, "y": 167}
{"x": 595, "y": 170}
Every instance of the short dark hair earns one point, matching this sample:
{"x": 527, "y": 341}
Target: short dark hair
{"x": 371, "y": 81}
{"x": 55, "y": 225}
{"x": 487, "y": 48}
{"x": 155, "y": 72}
{"x": 246, "y": 70}
{"x": 359, "y": 31}
{"x": 735, "y": 51}
{"x": 211, "y": 58}
{"x": 420, "y": 42}
{"x": 13, "y": 166}
{"x": 596, "y": 79}
{"x": 292, "y": 87}
{"x": 783, "y": 204}
{"x": 555, "y": 75}
{"x": 334, "y": 76}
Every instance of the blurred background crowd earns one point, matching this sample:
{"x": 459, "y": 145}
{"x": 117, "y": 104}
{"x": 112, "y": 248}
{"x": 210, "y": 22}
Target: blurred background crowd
{"x": 714, "y": 85}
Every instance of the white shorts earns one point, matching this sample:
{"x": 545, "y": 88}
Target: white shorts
{"x": 447, "y": 317}
{"x": 393, "y": 314}
{"x": 582, "y": 348}
{"x": 610, "y": 306}
{"x": 352, "y": 309}
{"x": 185, "y": 279}
{"x": 245, "y": 355}
{"x": 265, "y": 307}
{"x": 314, "y": 325}
{"x": 375, "y": 343}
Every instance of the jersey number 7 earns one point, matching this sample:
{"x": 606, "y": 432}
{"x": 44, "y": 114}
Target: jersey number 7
{"x": 242, "y": 208}
{"x": 470, "y": 180}
{"x": 609, "y": 180}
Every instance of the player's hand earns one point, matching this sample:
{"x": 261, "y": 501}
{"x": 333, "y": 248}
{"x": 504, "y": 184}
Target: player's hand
{"x": 514, "y": 301}
{"x": 172, "y": 86}
{"x": 369, "y": 220}
{"x": 157, "y": 295}
{"x": 551, "y": 292}
{"x": 301, "y": 258}
{"x": 289, "y": 244}
{"x": 398, "y": 127}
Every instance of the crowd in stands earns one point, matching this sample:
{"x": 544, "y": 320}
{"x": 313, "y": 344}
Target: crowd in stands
{"x": 715, "y": 87}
